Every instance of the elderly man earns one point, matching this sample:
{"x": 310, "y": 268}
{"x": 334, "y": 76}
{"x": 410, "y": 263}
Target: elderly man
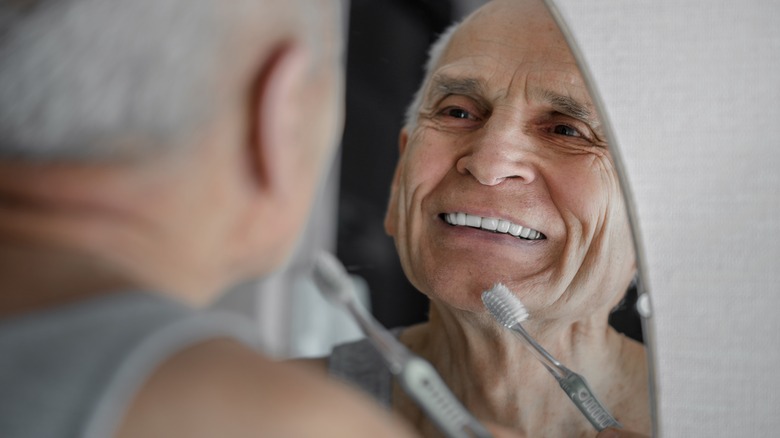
{"x": 154, "y": 152}
{"x": 505, "y": 176}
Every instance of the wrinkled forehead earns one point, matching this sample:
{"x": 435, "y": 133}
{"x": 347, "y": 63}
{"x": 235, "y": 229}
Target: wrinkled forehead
{"x": 514, "y": 44}
{"x": 516, "y": 22}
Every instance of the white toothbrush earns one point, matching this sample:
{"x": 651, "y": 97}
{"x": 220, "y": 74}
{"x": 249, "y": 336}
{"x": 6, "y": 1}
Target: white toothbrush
{"x": 416, "y": 375}
{"x": 507, "y": 309}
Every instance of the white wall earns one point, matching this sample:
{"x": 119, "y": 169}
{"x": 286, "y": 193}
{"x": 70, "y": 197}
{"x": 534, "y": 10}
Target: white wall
{"x": 692, "y": 89}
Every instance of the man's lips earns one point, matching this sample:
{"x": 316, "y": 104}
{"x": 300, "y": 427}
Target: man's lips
{"x": 492, "y": 224}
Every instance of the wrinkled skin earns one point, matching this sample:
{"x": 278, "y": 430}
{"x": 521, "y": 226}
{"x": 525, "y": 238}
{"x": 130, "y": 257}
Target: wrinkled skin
{"x": 510, "y": 148}
{"x": 507, "y": 130}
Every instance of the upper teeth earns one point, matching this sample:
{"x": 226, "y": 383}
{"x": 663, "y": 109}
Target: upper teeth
{"x": 492, "y": 224}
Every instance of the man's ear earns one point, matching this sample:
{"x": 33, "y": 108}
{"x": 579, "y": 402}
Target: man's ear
{"x": 391, "y": 216}
{"x": 275, "y": 115}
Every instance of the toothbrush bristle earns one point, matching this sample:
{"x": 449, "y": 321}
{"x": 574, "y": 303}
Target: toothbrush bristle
{"x": 505, "y": 307}
{"x": 331, "y": 278}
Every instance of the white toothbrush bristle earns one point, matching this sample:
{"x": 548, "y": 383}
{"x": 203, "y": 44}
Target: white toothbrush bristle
{"x": 331, "y": 278}
{"x": 505, "y": 307}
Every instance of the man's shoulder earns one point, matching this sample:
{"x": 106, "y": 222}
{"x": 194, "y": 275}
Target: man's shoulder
{"x": 223, "y": 388}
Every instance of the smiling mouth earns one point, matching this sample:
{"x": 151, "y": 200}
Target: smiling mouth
{"x": 493, "y": 225}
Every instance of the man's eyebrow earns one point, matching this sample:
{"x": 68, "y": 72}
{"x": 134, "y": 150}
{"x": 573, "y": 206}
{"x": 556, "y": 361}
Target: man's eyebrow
{"x": 444, "y": 85}
{"x": 566, "y": 105}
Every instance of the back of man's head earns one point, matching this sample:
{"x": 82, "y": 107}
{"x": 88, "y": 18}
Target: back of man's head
{"x": 206, "y": 121}
{"x": 78, "y": 75}
{"x": 103, "y": 80}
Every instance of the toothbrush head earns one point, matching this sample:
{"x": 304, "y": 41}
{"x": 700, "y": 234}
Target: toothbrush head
{"x": 505, "y": 307}
{"x": 331, "y": 278}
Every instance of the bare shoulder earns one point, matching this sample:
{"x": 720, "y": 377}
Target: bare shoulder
{"x": 317, "y": 364}
{"x": 221, "y": 388}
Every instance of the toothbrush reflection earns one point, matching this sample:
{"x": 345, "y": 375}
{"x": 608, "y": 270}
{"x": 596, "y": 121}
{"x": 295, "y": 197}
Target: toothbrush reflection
{"x": 505, "y": 176}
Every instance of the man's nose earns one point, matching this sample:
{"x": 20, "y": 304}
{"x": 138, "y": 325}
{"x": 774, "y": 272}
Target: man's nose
{"x": 498, "y": 155}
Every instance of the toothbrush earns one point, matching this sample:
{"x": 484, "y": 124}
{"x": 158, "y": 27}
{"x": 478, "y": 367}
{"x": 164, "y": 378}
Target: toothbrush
{"x": 508, "y": 310}
{"x": 416, "y": 375}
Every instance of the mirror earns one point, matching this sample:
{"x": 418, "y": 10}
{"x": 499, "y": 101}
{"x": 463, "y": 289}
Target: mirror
{"x": 461, "y": 161}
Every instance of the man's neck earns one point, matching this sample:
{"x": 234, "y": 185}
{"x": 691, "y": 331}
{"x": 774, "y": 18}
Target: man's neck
{"x": 498, "y": 379}
{"x": 65, "y": 236}
{"x": 38, "y": 278}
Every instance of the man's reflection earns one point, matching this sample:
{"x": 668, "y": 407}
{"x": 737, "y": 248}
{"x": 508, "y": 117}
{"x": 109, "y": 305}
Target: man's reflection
{"x": 505, "y": 176}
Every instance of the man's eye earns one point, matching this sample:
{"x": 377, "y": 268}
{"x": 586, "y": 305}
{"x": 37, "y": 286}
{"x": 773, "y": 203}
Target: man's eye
{"x": 458, "y": 113}
{"x": 566, "y": 130}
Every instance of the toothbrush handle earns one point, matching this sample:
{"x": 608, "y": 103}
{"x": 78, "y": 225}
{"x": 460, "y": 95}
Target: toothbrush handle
{"x": 553, "y": 366}
{"x": 422, "y": 383}
{"x": 572, "y": 383}
{"x": 419, "y": 379}
{"x": 394, "y": 354}
{"x": 583, "y": 397}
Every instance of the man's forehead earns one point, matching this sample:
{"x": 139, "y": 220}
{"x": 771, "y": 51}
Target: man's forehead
{"x": 512, "y": 50}
{"x": 514, "y": 23}
{"x": 512, "y": 35}
{"x": 512, "y": 63}
{"x": 533, "y": 84}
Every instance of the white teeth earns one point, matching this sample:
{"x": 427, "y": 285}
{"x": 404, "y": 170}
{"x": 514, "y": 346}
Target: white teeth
{"x": 489, "y": 224}
{"x": 492, "y": 224}
{"x": 473, "y": 221}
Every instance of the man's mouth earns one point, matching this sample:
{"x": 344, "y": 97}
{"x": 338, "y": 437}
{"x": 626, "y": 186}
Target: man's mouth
{"x": 492, "y": 224}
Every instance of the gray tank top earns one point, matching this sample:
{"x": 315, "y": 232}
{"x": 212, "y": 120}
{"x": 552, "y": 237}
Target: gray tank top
{"x": 72, "y": 371}
{"x": 360, "y": 365}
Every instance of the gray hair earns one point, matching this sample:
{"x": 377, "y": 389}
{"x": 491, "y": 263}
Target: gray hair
{"x": 105, "y": 79}
{"x": 434, "y": 57}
